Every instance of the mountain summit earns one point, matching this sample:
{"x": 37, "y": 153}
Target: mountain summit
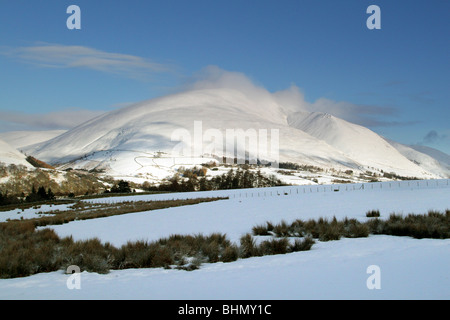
{"x": 141, "y": 139}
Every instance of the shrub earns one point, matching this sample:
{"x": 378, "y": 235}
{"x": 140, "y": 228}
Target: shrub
{"x": 261, "y": 230}
{"x": 355, "y": 229}
{"x": 274, "y": 246}
{"x": 121, "y": 187}
{"x": 282, "y": 229}
{"x": 329, "y": 231}
{"x": 373, "y": 213}
{"x": 302, "y": 245}
{"x": 230, "y": 253}
{"x": 248, "y": 247}
{"x": 90, "y": 255}
{"x": 25, "y": 252}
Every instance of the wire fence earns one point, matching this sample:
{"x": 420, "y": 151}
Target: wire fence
{"x": 295, "y": 190}
{"x": 303, "y": 189}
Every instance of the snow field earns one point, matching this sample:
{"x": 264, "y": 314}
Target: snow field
{"x": 410, "y": 268}
{"x": 245, "y": 209}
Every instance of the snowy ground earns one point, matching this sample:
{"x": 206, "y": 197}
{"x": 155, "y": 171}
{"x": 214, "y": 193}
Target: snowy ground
{"x": 32, "y": 212}
{"x": 408, "y": 268}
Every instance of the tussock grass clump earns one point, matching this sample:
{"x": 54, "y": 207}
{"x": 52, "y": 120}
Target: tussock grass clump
{"x": 322, "y": 229}
{"x": 352, "y": 228}
{"x": 24, "y": 251}
{"x": 90, "y": 255}
{"x": 262, "y": 230}
{"x": 302, "y": 245}
{"x": 230, "y": 253}
{"x": 248, "y": 247}
{"x": 282, "y": 229}
{"x": 435, "y": 225}
{"x": 142, "y": 254}
{"x": 272, "y": 246}
{"x": 325, "y": 230}
{"x": 182, "y": 251}
{"x": 373, "y": 213}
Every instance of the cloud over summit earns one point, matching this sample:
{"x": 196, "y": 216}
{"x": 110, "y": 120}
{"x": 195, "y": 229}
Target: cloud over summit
{"x": 291, "y": 99}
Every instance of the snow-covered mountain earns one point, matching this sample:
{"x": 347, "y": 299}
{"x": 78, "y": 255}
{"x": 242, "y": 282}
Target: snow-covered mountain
{"x": 9, "y": 155}
{"x": 357, "y": 142}
{"x": 432, "y": 160}
{"x": 138, "y": 140}
{"x": 440, "y": 156}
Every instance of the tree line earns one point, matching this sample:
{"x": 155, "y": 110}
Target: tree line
{"x": 190, "y": 180}
{"x": 34, "y": 196}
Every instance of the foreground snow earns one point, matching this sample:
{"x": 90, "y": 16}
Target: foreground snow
{"x": 409, "y": 268}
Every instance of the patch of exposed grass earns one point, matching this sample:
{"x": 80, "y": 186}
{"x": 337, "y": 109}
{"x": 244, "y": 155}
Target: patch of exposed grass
{"x": 321, "y": 229}
{"x": 434, "y": 225}
{"x": 85, "y": 210}
{"x": 373, "y": 213}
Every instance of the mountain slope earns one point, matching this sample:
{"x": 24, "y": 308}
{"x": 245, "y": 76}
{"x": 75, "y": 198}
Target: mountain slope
{"x": 9, "y": 155}
{"x": 440, "y": 156}
{"x": 356, "y": 142}
{"x": 426, "y": 161}
{"x": 117, "y": 139}
{"x": 149, "y": 139}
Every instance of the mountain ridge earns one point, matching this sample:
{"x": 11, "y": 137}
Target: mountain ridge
{"x": 113, "y": 141}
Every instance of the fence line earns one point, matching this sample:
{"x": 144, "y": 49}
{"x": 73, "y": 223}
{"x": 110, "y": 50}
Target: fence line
{"x": 296, "y": 190}
{"x": 303, "y": 189}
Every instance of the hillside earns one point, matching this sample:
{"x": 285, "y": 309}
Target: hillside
{"x": 430, "y": 159}
{"x": 358, "y": 143}
{"x": 9, "y": 155}
{"x": 150, "y": 139}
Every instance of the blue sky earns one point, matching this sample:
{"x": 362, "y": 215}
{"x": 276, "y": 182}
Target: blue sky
{"x": 395, "y": 80}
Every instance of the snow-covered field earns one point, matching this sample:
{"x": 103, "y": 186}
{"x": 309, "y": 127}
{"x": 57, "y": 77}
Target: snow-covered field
{"x": 408, "y": 268}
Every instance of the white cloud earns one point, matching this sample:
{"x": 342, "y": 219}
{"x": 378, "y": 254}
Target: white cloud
{"x": 65, "y": 56}
{"x": 292, "y": 99}
{"x": 64, "y": 119}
